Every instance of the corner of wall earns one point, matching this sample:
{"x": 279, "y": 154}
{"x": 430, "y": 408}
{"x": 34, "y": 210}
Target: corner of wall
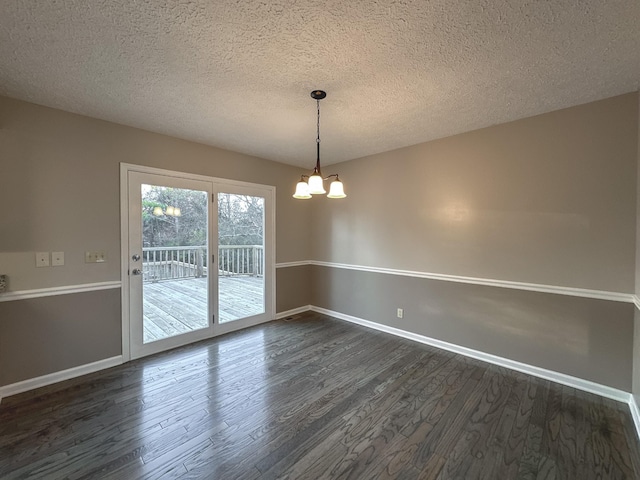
{"x": 635, "y": 390}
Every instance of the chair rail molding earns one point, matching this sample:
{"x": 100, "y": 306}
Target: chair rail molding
{"x": 62, "y": 290}
{"x": 490, "y": 282}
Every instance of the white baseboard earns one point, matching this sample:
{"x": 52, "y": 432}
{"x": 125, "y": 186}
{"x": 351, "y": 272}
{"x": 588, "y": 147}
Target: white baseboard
{"x": 557, "y": 377}
{"x": 293, "y": 311}
{"x": 43, "y": 381}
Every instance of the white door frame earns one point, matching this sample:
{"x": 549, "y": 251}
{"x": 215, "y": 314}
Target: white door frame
{"x": 218, "y": 185}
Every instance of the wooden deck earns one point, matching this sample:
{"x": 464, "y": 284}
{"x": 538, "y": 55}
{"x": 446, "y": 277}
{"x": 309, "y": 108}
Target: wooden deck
{"x": 173, "y": 307}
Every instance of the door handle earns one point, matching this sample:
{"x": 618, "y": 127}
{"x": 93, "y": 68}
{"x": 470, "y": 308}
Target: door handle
{"x": 136, "y": 271}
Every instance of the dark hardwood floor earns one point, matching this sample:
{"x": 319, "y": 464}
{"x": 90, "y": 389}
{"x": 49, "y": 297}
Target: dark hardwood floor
{"x": 311, "y": 398}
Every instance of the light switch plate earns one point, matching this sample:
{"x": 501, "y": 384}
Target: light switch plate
{"x": 42, "y": 259}
{"x": 57, "y": 259}
{"x": 95, "y": 257}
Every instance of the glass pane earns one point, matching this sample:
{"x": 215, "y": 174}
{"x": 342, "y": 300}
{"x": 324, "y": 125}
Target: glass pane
{"x": 240, "y": 256}
{"x": 174, "y": 261}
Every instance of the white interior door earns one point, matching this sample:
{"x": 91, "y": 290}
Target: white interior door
{"x": 198, "y": 258}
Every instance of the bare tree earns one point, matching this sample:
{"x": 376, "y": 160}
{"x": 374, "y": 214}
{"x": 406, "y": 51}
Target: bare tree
{"x": 240, "y": 218}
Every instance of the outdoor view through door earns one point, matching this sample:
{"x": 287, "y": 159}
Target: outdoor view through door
{"x": 174, "y": 261}
{"x": 240, "y": 256}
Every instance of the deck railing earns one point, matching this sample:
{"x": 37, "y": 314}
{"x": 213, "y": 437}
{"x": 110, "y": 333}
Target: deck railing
{"x": 241, "y": 260}
{"x": 170, "y": 263}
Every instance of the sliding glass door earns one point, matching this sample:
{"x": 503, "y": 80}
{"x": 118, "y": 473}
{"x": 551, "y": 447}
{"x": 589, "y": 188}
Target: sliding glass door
{"x": 199, "y": 259}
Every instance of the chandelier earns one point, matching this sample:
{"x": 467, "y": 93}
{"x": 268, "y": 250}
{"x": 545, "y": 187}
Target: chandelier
{"x": 315, "y": 183}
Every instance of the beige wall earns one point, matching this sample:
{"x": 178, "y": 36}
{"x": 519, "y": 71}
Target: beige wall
{"x": 636, "y": 338}
{"x": 294, "y": 287}
{"x": 581, "y": 337}
{"x": 636, "y": 356}
{"x": 50, "y": 334}
{"x": 59, "y": 173}
{"x": 60, "y": 184}
{"x": 548, "y": 200}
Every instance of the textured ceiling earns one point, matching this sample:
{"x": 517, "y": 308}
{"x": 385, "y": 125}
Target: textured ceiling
{"x": 237, "y": 74}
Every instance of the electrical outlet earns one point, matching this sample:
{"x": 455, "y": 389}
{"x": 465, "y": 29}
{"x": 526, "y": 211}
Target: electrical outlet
{"x": 3, "y": 283}
{"x": 400, "y": 313}
{"x": 57, "y": 259}
{"x": 42, "y": 259}
{"x": 95, "y": 257}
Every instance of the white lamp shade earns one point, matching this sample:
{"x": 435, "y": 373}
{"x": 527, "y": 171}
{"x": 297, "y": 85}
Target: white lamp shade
{"x": 336, "y": 190}
{"x": 157, "y": 211}
{"x": 169, "y": 211}
{"x": 302, "y": 190}
{"x": 316, "y": 185}
{"x": 176, "y": 212}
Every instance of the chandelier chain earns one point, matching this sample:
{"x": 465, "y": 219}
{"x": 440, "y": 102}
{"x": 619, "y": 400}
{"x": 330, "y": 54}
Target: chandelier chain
{"x": 318, "y": 131}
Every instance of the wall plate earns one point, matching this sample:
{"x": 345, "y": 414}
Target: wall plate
{"x": 57, "y": 259}
{"x": 42, "y": 259}
{"x": 95, "y": 257}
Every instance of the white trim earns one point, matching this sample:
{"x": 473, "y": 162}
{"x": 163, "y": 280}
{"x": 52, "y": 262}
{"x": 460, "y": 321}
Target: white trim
{"x": 44, "y": 380}
{"x": 130, "y": 167}
{"x": 532, "y": 287}
{"x": 557, "y": 377}
{"x": 635, "y": 413}
{"x": 270, "y": 267}
{"x": 301, "y": 263}
{"x": 63, "y": 290}
{"x": 636, "y": 301}
{"x": 124, "y": 261}
{"x": 293, "y": 311}
{"x": 216, "y": 184}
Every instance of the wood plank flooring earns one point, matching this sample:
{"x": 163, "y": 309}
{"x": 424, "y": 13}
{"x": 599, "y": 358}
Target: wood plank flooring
{"x": 174, "y": 307}
{"x": 313, "y": 398}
